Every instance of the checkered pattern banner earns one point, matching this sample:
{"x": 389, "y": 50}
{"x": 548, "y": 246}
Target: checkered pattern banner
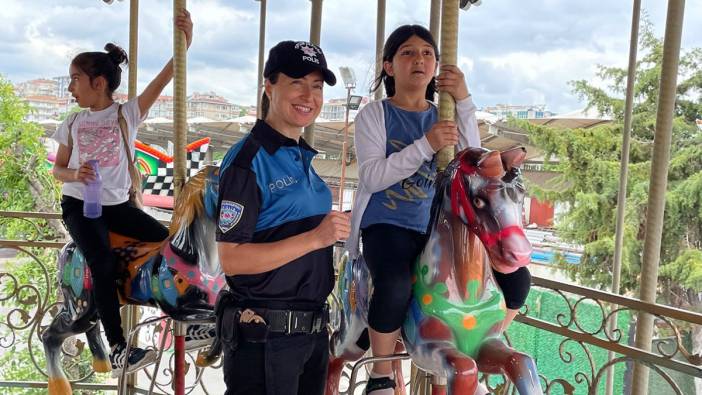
{"x": 161, "y": 184}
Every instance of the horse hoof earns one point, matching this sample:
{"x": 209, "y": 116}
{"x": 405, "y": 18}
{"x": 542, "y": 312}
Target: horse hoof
{"x": 101, "y": 366}
{"x": 59, "y": 387}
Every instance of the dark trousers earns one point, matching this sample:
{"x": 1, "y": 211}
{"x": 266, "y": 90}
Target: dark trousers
{"x": 285, "y": 365}
{"x": 389, "y": 252}
{"x": 92, "y": 238}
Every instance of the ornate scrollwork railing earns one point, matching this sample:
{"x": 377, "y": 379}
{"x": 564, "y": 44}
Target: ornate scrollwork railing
{"x": 668, "y": 354}
{"x": 29, "y": 298}
{"x": 582, "y": 322}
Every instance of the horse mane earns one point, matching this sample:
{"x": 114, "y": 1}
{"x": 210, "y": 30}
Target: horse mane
{"x": 189, "y": 203}
{"x": 443, "y": 178}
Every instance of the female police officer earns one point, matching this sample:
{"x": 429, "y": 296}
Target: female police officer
{"x": 275, "y": 235}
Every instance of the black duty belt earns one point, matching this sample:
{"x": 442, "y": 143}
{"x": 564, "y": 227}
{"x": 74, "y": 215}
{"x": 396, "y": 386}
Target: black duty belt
{"x": 292, "y": 321}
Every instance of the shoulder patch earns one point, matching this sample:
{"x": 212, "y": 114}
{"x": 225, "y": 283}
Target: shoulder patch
{"x": 229, "y": 215}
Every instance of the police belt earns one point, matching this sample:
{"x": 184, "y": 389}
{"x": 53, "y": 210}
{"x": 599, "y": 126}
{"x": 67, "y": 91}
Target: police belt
{"x": 293, "y": 321}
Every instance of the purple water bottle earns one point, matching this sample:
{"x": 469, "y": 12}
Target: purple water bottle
{"x": 92, "y": 197}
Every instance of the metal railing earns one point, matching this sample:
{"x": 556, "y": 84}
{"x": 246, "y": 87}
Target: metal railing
{"x": 28, "y": 303}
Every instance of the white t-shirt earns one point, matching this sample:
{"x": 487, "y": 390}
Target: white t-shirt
{"x": 96, "y": 135}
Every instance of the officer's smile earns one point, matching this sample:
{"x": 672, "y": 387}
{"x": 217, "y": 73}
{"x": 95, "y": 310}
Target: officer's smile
{"x": 303, "y": 109}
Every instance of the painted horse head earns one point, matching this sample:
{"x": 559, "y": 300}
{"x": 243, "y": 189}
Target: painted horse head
{"x": 180, "y": 275}
{"x": 455, "y": 317}
{"x": 487, "y": 195}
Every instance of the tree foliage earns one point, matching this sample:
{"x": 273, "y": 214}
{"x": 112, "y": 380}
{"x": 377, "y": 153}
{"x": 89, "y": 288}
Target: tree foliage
{"x": 25, "y": 185}
{"x": 589, "y": 163}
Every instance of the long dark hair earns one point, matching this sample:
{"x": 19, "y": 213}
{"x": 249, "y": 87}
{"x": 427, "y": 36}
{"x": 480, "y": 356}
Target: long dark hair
{"x": 265, "y": 101}
{"x": 103, "y": 64}
{"x": 392, "y": 44}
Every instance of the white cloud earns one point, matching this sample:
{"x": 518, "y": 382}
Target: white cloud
{"x": 512, "y": 51}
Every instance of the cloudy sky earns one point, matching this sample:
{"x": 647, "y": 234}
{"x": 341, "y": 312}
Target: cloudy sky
{"x": 513, "y": 51}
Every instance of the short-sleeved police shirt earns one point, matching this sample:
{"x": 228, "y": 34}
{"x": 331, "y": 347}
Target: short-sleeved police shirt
{"x": 268, "y": 191}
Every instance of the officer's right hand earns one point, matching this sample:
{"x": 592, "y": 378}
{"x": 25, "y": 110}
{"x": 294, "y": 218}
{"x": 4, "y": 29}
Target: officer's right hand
{"x": 335, "y": 226}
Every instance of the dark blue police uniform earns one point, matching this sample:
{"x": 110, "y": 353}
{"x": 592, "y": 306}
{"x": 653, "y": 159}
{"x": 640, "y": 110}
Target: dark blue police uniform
{"x": 268, "y": 191}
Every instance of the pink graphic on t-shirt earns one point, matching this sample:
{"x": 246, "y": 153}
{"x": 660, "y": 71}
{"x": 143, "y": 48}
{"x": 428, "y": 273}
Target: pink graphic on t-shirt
{"x": 99, "y": 142}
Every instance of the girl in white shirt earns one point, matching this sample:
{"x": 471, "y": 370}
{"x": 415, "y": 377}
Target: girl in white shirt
{"x": 94, "y": 133}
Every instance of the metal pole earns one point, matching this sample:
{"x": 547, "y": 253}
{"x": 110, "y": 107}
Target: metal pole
{"x": 379, "y": 40}
{"x": 315, "y": 33}
{"x": 449, "y": 46}
{"x": 130, "y": 314}
{"x": 133, "y": 47}
{"x": 435, "y": 19}
{"x": 179, "y": 330}
{"x": 180, "y": 127}
{"x": 623, "y": 173}
{"x": 316, "y": 21}
{"x": 658, "y": 183}
{"x": 180, "y": 120}
{"x": 261, "y": 49}
{"x": 343, "y": 150}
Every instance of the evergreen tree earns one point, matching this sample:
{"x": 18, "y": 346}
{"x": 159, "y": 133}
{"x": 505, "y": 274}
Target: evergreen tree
{"x": 589, "y": 161}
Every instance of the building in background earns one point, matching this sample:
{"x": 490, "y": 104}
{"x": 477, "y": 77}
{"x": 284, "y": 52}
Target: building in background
{"x": 162, "y": 108}
{"x": 212, "y": 106}
{"x": 335, "y": 109}
{"x": 38, "y": 87}
{"x": 62, "y": 86}
{"x": 46, "y": 107}
{"x": 504, "y": 111}
{"x": 50, "y": 99}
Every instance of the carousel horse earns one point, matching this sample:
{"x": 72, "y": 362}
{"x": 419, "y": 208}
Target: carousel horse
{"x": 456, "y": 314}
{"x": 180, "y": 275}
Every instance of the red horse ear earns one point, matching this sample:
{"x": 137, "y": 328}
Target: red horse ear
{"x": 490, "y": 165}
{"x": 513, "y": 158}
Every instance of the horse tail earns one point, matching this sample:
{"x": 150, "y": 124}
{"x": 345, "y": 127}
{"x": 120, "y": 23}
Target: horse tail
{"x": 210, "y": 356}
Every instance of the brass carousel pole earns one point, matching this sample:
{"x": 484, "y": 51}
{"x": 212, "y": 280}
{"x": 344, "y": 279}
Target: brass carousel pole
{"x": 130, "y": 314}
{"x": 449, "y": 48}
{"x": 419, "y": 383}
{"x": 379, "y": 39}
{"x": 315, "y": 35}
{"x": 180, "y": 128}
{"x": 623, "y": 173}
{"x": 261, "y": 49}
{"x": 435, "y": 19}
{"x": 658, "y": 184}
{"x": 180, "y": 120}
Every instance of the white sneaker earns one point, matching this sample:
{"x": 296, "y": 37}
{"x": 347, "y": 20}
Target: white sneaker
{"x": 138, "y": 359}
{"x": 199, "y": 336}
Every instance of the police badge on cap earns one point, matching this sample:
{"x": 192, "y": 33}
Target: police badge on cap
{"x": 296, "y": 59}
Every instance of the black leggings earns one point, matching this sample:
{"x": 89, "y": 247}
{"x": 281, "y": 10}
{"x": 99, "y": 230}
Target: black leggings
{"x": 92, "y": 237}
{"x": 515, "y": 286}
{"x": 389, "y": 252}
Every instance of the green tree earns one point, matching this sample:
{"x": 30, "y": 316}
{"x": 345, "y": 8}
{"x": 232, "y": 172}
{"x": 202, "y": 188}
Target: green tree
{"x": 25, "y": 185}
{"x": 589, "y": 160}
